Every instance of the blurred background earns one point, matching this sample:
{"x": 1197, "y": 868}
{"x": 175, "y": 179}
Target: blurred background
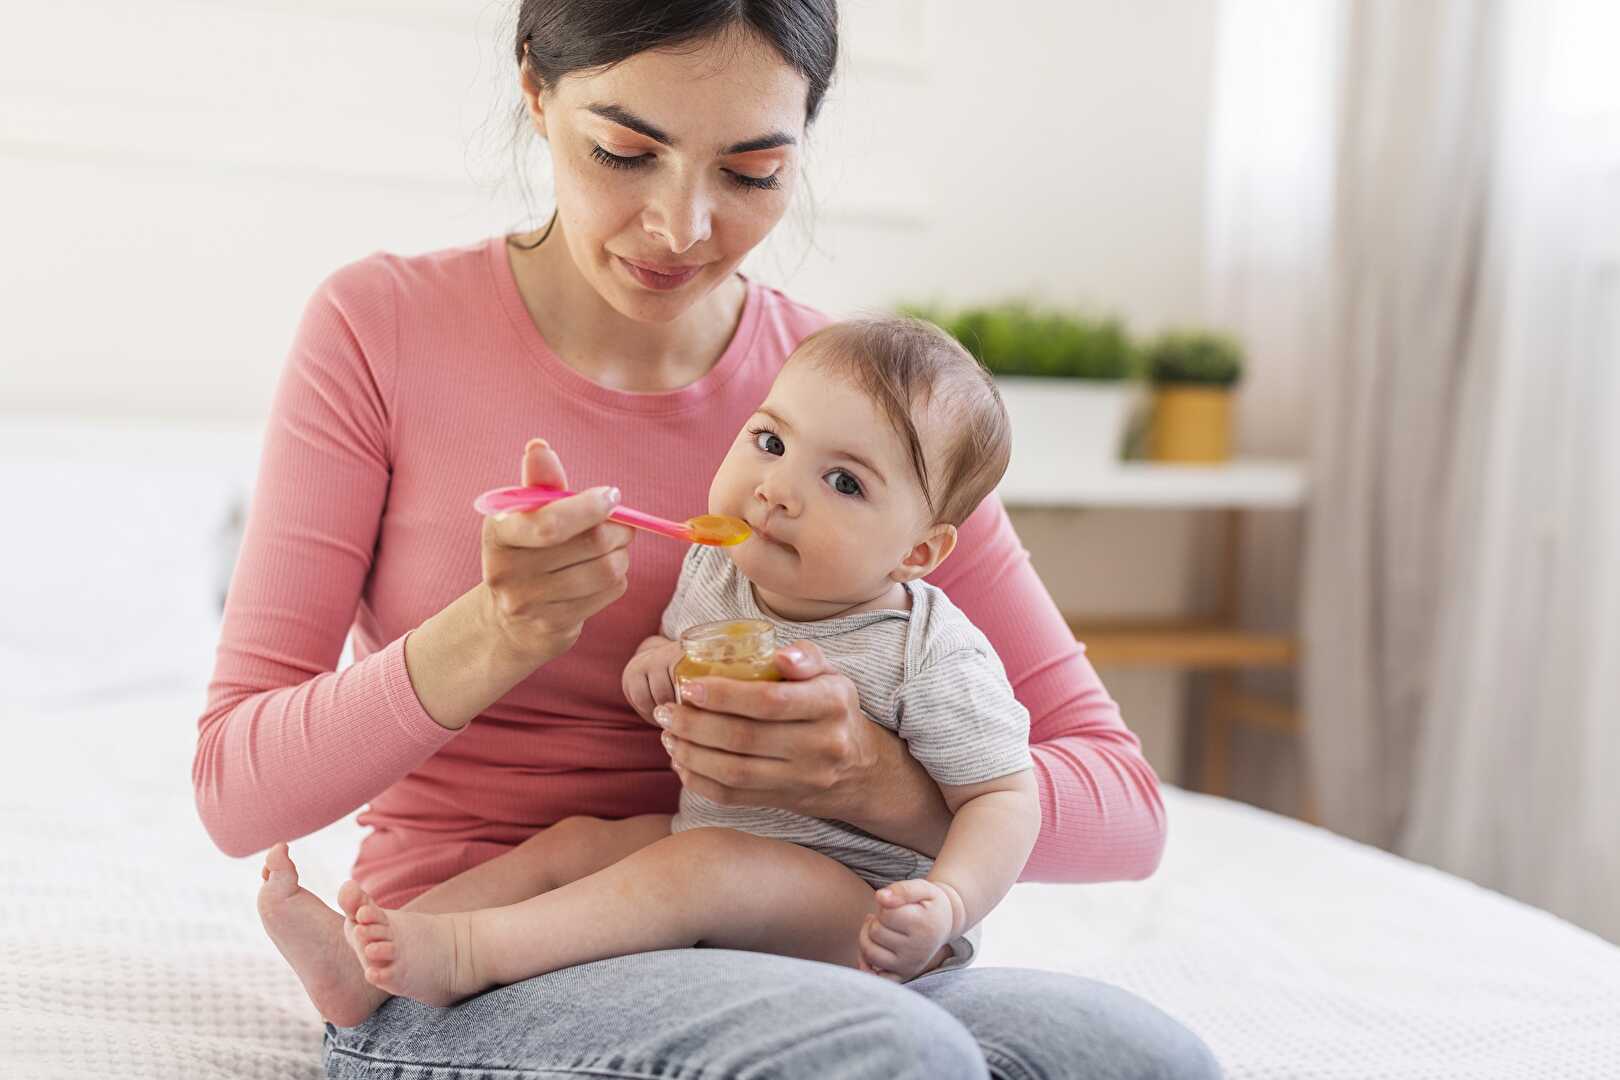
{"x": 1342, "y": 537}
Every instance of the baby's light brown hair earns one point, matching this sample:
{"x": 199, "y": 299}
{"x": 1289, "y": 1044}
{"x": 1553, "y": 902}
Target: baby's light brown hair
{"x": 905, "y": 365}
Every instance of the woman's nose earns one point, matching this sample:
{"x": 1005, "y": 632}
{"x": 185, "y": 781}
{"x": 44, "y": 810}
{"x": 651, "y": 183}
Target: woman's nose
{"x": 680, "y": 218}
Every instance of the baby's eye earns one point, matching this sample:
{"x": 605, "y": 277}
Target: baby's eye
{"x": 769, "y": 442}
{"x": 843, "y": 483}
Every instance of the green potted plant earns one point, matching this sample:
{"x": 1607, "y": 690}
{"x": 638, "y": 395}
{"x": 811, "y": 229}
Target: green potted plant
{"x": 1065, "y": 379}
{"x": 1193, "y": 374}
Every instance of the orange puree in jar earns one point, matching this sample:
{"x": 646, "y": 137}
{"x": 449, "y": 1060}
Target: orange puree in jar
{"x": 735, "y": 649}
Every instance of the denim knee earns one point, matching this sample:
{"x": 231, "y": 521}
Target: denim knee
{"x": 845, "y": 1023}
{"x": 676, "y": 1014}
{"x": 925, "y": 1041}
{"x": 1040, "y": 1025}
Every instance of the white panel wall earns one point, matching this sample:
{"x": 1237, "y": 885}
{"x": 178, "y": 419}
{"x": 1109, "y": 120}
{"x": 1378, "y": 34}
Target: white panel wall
{"x": 177, "y": 176}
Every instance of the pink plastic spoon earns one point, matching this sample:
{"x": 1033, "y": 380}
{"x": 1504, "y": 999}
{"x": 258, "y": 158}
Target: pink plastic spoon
{"x": 716, "y": 530}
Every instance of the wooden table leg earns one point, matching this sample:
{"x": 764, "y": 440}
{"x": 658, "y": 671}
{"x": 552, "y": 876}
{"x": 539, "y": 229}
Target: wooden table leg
{"x": 1214, "y": 770}
{"x": 1216, "y": 758}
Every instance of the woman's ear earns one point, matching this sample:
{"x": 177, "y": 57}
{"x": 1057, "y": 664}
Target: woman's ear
{"x": 926, "y": 554}
{"x": 533, "y": 96}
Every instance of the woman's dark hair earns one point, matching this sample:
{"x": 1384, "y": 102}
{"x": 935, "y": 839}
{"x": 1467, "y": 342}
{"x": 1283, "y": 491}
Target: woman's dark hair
{"x": 559, "y": 37}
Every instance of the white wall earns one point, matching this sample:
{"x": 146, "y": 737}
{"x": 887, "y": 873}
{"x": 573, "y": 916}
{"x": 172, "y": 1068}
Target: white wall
{"x": 179, "y": 176}
{"x": 1059, "y": 154}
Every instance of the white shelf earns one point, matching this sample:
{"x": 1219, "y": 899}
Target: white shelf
{"x": 1242, "y": 485}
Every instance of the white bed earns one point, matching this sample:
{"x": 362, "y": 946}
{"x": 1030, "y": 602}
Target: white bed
{"x": 129, "y": 946}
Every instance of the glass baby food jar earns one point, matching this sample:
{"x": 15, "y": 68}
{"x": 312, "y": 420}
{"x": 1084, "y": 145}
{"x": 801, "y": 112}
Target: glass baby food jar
{"x": 735, "y": 648}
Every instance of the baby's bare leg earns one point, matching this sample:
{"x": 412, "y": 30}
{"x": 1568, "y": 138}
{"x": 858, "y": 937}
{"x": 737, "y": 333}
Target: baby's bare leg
{"x": 711, "y": 886}
{"x": 573, "y": 848}
{"x": 319, "y": 944}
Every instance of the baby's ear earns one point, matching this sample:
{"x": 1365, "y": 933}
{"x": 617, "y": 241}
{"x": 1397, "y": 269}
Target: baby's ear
{"x": 926, "y": 554}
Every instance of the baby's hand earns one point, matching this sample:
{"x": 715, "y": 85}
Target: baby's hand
{"x": 648, "y": 682}
{"x": 907, "y": 936}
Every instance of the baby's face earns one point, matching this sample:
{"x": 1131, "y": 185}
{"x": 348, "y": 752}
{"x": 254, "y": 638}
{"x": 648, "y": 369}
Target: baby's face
{"x": 827, "y": 485}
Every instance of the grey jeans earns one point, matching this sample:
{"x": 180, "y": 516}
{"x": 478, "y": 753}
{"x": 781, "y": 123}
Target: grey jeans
{"x": 716, "y": 1013}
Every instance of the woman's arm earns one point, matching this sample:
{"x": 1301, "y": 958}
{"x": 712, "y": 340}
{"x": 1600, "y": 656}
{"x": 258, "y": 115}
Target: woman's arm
{"x": 286, "y": 745}
{"x": 1101, "y": 815}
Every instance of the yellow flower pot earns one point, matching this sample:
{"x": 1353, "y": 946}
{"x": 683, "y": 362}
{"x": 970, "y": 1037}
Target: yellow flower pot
{"x": 1191, "y": 425}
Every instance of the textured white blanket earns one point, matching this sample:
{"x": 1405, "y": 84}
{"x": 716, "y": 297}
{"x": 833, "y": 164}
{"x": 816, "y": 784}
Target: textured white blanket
{"x": 129, "y": 947}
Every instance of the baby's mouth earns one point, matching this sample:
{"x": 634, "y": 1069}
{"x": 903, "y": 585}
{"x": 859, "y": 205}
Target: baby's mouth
{"x": 762, "y": 530}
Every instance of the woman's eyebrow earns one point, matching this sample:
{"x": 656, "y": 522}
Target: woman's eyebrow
{"x": 625, "y": 118}
{"x": 763, "y": 142}
{"x": 618, "y": 114}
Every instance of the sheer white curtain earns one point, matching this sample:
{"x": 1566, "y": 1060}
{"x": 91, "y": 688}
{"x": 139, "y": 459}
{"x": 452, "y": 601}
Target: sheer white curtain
{"x": 1517, "y": 782}
{"x": 1417, "y": 206}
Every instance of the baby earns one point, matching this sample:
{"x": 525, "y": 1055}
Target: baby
{"x": 878, "y": 438}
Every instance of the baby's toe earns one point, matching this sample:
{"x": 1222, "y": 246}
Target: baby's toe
{"x": 276, "y": 861}
{"x": 381, "y": 952}
{"x": 366, "y": 933}
{"x": 350, "y": 897}
{"x": 279, "y": 858}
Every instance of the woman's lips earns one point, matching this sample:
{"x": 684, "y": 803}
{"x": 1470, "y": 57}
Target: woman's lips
{"x": 662, "y": 279}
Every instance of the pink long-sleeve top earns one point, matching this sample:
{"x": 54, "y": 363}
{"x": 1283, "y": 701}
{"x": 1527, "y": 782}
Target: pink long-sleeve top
{"x": 412, "y": 385}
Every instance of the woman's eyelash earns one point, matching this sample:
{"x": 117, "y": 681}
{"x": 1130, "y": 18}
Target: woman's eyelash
{"x": 756, "y": 183}
{"x": 617, "y": 161}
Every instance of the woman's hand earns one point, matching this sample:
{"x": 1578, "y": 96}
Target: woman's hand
{"x": 545, "y": 572}
{"x": 548, "y": 570}
{"x": 804, "y": 745}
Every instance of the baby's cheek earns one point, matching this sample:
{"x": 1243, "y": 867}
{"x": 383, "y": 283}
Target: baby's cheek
{"x": 854, "y": 558}
{"x": 722, "y": 489}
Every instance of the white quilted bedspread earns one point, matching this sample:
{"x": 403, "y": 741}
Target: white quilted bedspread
{"x": 129, "y": 947}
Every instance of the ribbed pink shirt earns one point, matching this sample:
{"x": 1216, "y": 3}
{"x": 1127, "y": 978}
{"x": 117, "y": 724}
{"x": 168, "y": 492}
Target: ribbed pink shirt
{"x": 412, "y": 385}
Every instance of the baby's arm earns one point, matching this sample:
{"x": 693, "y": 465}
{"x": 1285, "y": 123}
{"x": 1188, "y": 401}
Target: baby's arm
{"x": 993, "y": 832}
{"x": 990, "y": 839}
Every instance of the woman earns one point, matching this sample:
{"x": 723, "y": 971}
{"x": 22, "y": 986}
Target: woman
{"x": 484, "y": 703}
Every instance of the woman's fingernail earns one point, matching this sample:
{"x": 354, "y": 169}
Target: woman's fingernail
{"x": 791, "y": 654}
{"x": 669, "y": 742}
{"x": 661, "y": 714}
{"x": 692, "y": 692}
{"x": 610, "y": 496}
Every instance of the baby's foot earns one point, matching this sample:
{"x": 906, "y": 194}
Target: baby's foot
{"x": 425, "y": 957}
{"x": 908, "y": 934}
{"x": 310, "y": 937}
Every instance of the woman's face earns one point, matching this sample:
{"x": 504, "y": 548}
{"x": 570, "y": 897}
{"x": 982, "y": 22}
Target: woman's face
{"x": 671, "y": 166}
